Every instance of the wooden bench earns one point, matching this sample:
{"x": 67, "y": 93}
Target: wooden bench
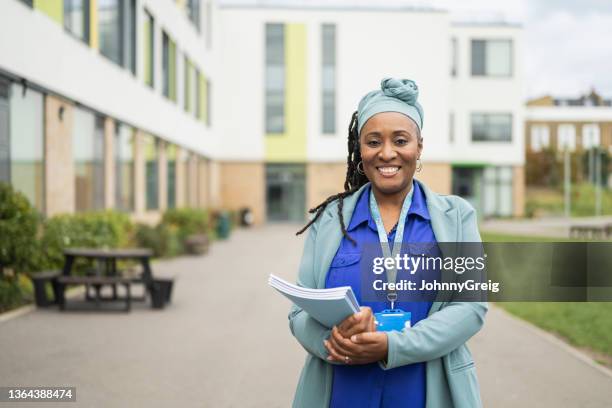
{"x": 589, "y": 231}
{"x": 40, "y": 280}
{"x": 98, "y": 282}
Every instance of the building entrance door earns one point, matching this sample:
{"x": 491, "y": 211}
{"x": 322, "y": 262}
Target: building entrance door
{"x": 467, "y": 183}
{"x": 285, "y": 192}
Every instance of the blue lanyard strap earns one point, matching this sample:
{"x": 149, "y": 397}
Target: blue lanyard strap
{"x": 384, "y": 241}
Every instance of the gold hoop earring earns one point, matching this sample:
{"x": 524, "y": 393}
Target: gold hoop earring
{"x": 360, "y": 170}
{"x": 419, "y": 165}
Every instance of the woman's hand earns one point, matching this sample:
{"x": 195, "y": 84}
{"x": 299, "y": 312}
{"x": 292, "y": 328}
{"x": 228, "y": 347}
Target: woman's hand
{"x": 360, "y": 322}
{"x": 362, "y": 348}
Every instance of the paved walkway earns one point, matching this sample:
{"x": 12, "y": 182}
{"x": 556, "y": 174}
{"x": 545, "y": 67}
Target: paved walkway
{"x": 224, "y": 342}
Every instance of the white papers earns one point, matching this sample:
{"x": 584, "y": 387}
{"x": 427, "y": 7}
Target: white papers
{"x": 328, "y": 306}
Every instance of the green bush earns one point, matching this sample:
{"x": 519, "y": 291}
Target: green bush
{"x": 19, "y": 223}
{"x": 94, "y": 230}
{"x": 161, "y": 239}
{"x": 186, "y": 222}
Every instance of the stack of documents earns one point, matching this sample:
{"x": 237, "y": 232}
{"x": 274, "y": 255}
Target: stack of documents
{"x": 328, "y": 306}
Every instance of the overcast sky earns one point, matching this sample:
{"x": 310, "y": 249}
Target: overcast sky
{"x": 568, "y": 43}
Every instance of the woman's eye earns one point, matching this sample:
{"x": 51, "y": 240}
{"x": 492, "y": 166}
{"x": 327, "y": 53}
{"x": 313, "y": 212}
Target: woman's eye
{"x": 373, "y": 143}
{"x": 401, "y": 142}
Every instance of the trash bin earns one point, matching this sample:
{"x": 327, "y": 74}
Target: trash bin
{"x": 224, "y": 225}
{"x": 161, "y": 291}
{"x": 246, "y": 217}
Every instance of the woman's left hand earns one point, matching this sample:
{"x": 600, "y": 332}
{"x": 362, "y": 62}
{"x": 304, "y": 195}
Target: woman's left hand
{"x": 362, "y": 348}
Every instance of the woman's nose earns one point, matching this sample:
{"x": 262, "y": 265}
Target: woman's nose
{"x": 387, "y": 152}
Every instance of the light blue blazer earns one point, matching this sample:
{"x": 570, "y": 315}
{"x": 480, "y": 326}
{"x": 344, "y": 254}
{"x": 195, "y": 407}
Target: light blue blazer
{"x": 439, "y": 340}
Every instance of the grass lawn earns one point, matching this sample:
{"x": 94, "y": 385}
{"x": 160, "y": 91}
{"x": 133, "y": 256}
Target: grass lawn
{"x": 587, "y": 324}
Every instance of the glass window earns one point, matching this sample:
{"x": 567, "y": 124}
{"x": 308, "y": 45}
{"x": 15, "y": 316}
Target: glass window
{"x": 590, "y": 136}
{"x": 168, "y": 67}
{"x": 492, "y": 58}
{"x": 566, "y": 137}
{"x": 129, "y": 35}
{"x": 27, "y": 147}
{"x": 193, "y": 12}
{"x": 497, "y": 194}
{"x": 491, "y": 127}
{"x": 187, "y": 80}
{"x": 540, "y": 137}
{"x": 454, "y": 57}
{"x": 88, "y": 152}
{"x": 149, "y": 49}
{"x": 109, "y": 26}
{"x": 76, "y": 18}
{"x": 208, "y": 102}
{"x": 198, "y": 94}
{"x": 124, "y": 168}
{"x": 208, "y": 24}
{"x": 329, "y": 78}
{"x": 27, "y": 2}
{"x": 275, "y": 78}
{"x": 171, "y": 184}
{"x": 151, "y": 172}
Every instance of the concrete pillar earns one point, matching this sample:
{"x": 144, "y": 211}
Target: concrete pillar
{"x": 139, "y": 173}
{"x": 518, "y": 190}
{"x": 162, "y": 163}
{"x": 214, "y": 188}
{"x": 109, "y": 163}
{"x": 203, "y": 183}
{"x": 180, "y": 177}
{"x": 323, "y": 180}
{"x": 59, "y": 163}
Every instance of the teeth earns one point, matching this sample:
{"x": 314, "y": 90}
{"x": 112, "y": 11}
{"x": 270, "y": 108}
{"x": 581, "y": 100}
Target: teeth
{"x": 388, "y": 170}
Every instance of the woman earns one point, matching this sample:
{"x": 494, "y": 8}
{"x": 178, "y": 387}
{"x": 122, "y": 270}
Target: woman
{"x": 353, "y": 365}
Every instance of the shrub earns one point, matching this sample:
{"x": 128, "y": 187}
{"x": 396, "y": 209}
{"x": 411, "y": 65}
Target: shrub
{"x": 161, "y": 239}
{"x": 95, "y": 230}
{"x": 19, "y": 223}
{"x": 186, "y": 222}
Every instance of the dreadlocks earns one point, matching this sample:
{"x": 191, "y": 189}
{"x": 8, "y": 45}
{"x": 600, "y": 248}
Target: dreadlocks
{"x": 354, "y": 180}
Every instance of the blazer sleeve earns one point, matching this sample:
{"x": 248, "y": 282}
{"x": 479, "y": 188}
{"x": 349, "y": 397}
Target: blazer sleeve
{"x": 444, "y": 330}
{"x": 308, "y": 332}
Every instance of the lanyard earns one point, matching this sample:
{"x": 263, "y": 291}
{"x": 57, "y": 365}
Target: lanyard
{"x": 384, "y": 241}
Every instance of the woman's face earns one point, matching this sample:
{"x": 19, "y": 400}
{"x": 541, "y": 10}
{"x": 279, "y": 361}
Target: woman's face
{"x": 390, "y": 146}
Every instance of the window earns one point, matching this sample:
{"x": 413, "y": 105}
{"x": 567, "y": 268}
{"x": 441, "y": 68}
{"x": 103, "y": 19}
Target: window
{"x": 27, "y": 2}
{"x": 124, "y": 167}
{"x": 454, "y": 57}
{"x": 329, "y": 78}
{"x": 492, "y": 58}
{"x": 193, "y": 12}
{"x": 497, "y": 191}
{"x": 491, "y": 127}
{"x": 117, "y": 31}
{"x": 208, "y": 24}
{"x": 88, "y": 151}
{"x": 27, "y": 147}
{"x": 151, "y": 172}
{"x": 187, "y": 88}
{"x": 566, "y": 137}
{"x": 168, "y": 67}
{"x": 109, "y": 26}
{"x": 149, "y": 49}
{"x": 171, "y": 173}
{"x": 275, "y": 78}
{"x": 590, "y": 136}
{"x": 540, "y": 137}
{"x": 76, "y": 18}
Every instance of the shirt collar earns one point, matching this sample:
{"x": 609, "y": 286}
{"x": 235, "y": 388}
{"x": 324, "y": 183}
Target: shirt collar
{"x": 362, "y": 209}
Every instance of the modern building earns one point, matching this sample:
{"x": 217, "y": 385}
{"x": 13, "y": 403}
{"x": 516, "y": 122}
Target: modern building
{"x": 144, "y": 105}
{"x": 293, "y": 75}
{"x": 573, "y": 130}
{"x": 107, "y": 104}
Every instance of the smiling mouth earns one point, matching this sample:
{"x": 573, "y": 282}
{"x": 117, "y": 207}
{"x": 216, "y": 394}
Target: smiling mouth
{"x": 388, "y": 171}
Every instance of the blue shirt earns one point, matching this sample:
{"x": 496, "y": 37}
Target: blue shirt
{"x": 369, "y": 385}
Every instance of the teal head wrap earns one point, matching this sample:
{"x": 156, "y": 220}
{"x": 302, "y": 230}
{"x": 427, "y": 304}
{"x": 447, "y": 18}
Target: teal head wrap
{"x": 395, "y": 95}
